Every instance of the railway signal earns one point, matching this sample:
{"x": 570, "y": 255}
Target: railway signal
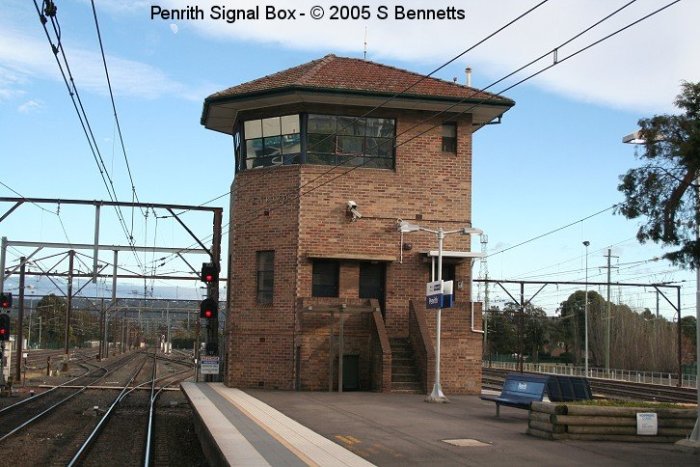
{"x": 5, "y": 300}
{"x": 210, "y": 273}
{"x": 4, "y": 327}
{"x": 208, "y": 309}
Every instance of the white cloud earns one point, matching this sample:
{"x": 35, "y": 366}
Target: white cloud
{"x": 23, "y": 56}
{"x": 639, "y": 69}
{"x": 30, "y": 106}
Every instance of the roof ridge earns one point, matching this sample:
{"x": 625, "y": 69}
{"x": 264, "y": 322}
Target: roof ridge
{"x": 423, "y": 76}
{"x": 320, "y": 63}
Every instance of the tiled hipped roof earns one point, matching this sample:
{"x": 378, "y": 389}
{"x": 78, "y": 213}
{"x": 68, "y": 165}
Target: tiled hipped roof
{"x": 352, "y": 74}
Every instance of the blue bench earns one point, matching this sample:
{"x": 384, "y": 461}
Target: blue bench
{"x": 519, "y": 390}
{"x": 561, "y": 388}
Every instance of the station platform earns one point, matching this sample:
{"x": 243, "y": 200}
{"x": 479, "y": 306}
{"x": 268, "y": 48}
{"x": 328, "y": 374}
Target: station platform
{"x": 261, "y": 427}
{"x": 238, "y": 429}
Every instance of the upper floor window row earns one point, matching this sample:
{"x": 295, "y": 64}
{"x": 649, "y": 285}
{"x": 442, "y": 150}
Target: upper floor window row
{"x": 316, "y": 139}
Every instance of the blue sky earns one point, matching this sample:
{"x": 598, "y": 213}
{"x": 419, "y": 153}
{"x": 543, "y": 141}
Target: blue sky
{"x": 555, "y": 158}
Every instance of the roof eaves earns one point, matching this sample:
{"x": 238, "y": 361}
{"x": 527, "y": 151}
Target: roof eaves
{"x": 493, "y": 99}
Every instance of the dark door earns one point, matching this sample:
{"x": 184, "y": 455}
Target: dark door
{"x": 372, "y": 279}
{"x": 351, "y": 372}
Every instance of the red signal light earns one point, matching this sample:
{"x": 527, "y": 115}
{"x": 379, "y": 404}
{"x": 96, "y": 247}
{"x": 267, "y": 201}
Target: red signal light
{"x": 4, "y": 327}
{"x": 210, "y": 273}
{"x": 5, "y": 300}
{"x": 208, "y": 309}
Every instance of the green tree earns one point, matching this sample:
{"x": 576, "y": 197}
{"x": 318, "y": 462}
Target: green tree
{"x": 664, "y": 189}
{"x": 502, "y": 338}
{"x": 52, "y": 311}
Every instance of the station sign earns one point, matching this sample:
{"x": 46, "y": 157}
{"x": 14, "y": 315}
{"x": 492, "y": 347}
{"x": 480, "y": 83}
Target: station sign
{"x": 447, "y": 294}
{"x": 209, "y": 364}
{"x": 433, "y": 294}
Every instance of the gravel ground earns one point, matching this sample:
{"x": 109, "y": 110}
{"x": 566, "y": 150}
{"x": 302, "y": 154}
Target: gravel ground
{"x": 53, "y": 439}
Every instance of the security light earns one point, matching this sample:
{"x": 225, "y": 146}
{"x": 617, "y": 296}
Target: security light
{"x": 405, "y": 227}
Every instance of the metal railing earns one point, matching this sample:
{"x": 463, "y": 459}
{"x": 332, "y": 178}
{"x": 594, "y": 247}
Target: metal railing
{"x": 654, "y": 377}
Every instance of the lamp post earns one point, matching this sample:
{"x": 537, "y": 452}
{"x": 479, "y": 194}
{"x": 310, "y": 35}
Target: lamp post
{"x": 405, "y": 227}
{"x": 585, "y": 309}
{"x": 694, "y": 438}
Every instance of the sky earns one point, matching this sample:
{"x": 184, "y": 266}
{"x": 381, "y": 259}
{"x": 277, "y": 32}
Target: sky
{"x": 554, "y": 161}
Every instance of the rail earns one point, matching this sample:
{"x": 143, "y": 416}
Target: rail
{"x": 105, "y": 418}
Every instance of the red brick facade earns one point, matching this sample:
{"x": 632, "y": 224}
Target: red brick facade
{"x": 300, "y": 213}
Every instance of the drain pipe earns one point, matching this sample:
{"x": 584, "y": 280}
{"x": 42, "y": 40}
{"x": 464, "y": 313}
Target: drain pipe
{"x": 471, "y": 301}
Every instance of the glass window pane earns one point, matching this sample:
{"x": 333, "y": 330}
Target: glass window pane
{"x": 325, "y": 278}
{"x": 321, "y": 124}
{"x": 449, "y": 130}
{"x": 290, "y": 124}
{"x": 253, "y": 129}
{"x": 291, "y": 143}
{"x": 320, "y": 159}
{"x": 254, "y": 147}
{"x": 321, "y": 143}
{"x": 383, "y": 127}
{"x": 385, "y": 147}
{"x": 273, "y": 145}
{"x": 271, "y": 127}
{"x": 350, "y": 145}
{"x": 351, "y": 126}
{"x": 266, "y": 260}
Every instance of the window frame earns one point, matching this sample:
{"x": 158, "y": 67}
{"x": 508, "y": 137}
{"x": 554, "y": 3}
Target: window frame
{"x": 448, "y": 142}
{"x": 319, "y": 289}
{"x": 264, "y": 295}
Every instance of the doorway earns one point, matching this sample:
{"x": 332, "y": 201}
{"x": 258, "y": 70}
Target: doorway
{"x": 372, "y": 281}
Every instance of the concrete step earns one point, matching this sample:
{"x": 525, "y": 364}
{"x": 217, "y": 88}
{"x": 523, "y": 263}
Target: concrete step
{"x": 412, "y": 387}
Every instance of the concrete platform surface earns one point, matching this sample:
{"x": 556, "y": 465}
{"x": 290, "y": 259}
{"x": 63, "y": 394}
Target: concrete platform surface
{"x": 402, "y": 429}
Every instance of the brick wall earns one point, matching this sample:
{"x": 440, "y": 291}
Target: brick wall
{"x": 428, "y": 187}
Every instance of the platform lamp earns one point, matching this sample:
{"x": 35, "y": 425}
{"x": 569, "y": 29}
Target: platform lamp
{"x": 694, "y": 438}
{"x": 406, "y": 227}
{"x": 585, "y": 309}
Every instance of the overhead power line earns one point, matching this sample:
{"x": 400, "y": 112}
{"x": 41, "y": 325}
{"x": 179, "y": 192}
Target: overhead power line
{"x": 48, "y": 14}
{"x": 114, "y": 107}
{"x": 403, "y": 91}
{"x": 491, "y": 97}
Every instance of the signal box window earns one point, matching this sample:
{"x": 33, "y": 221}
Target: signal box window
{"x": 325, "y": 280}
{"x": 265, "y": 261}
{"x": 449, "y": 137}
{"x": 272, "y": 141}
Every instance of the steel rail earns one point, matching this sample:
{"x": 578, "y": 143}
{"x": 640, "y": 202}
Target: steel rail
{"x": 95, "y": 432}
{"x": 149, "y": 430}
{"x": 41, "y": 394}
{"x": 54, "y": 406}
{"x": 151, "y": 414}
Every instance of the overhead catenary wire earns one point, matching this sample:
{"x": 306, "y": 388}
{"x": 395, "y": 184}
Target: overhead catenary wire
{"x": 401, "y": 92}
{"x": 557, "y": 62}
{"x": 114, "y": 107}
{"x": 50, "y": 10}
{"x": 239, "y": 187}
{"x": 492, "y": 96}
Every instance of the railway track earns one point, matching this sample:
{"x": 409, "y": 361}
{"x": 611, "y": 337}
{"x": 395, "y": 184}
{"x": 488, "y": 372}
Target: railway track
{"x": 607, "y": 389}
{"x": 22, "y": 414}
{"x": 130, "y": 417}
